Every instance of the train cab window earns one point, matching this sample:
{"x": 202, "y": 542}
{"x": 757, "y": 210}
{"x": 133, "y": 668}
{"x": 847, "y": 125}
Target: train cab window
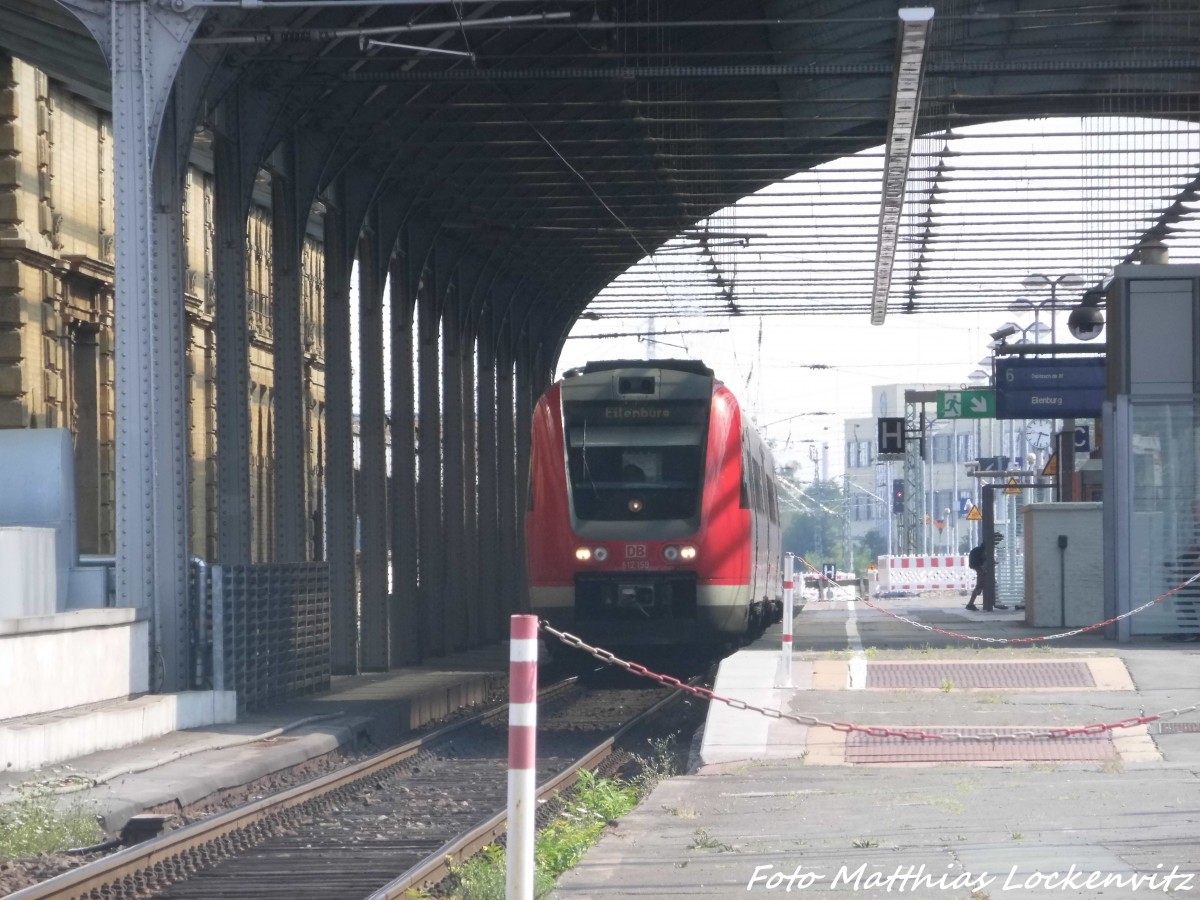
{"x": 660, "y": 465}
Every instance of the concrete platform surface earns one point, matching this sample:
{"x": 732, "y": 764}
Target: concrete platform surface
{"x": 183, "y": 767}
{"x": 776, "y": 806}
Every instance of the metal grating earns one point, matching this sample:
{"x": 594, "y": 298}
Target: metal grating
{"x": 271, "y": 631}
{"x": 864, "y": 748}
{"x": 1012, "y": 675}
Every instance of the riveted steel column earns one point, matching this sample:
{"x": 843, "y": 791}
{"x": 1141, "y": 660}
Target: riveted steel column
{"x": 510, "y": 540}
{"x": 488, "y": 519}
{"x": 372, "y": 483}
{"x": 151, "y": 513}
{"x": 233, "y": 367}
{"x": 169, "y": 426}
{"x": 287, "y": 236}
{"x": 429, "y": 450}
{"x": 339, "y": 450}
{"x": 402, "y": 496}
{"x": 471, "y": 587}
{"x": 523, "y": 426}
{"x": 528, "y": 391}
{"x": 453, "y": 408}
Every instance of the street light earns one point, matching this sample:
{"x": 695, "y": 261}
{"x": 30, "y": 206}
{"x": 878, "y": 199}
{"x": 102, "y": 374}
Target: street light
{"x": 1037, "y": 280}
{"x": 1024, "y": 304}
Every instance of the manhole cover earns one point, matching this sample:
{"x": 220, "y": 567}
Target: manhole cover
{"x": 885, "y": 675}
{"x": 865, "y": 748}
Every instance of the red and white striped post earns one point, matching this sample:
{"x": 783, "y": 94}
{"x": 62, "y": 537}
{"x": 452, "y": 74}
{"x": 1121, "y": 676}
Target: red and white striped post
{"x": 522, "y": 756}
{"x": 783, "y": 674}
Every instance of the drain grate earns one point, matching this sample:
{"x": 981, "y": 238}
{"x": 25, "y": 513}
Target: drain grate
{"x": 891, "y": 676}
{"x": 1174, "y": 728}
{"x": 865, "y": 748}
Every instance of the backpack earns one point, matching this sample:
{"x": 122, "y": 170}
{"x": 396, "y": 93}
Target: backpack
{"x": 975, "y": 557}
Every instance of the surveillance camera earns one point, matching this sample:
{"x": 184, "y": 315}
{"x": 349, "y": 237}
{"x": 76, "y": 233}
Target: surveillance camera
{"x": 1004, "y": 331}
{"x": 1085, "y": 322}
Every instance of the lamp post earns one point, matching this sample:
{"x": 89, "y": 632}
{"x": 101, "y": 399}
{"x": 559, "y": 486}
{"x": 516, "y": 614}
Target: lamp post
{"x": 1037, "y": 279}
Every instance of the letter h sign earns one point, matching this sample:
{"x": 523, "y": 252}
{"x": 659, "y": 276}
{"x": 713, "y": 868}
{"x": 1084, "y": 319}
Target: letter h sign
{"x": 891, "y": 436}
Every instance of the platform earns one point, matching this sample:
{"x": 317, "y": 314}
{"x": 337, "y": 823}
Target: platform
{"x": 181, "y": 767}
{"x": 774, "y": 806}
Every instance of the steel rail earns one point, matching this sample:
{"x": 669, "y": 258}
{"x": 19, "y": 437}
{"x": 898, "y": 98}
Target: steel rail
{"x": 77, "y": 884}
{"x": 435, "y": 867}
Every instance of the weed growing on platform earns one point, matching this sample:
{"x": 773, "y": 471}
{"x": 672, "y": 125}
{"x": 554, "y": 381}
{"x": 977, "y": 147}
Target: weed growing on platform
{"x": 701, "y": 840}
{"x": 33, "y": 824}
{"x": 594, "y": 803}
{"x": 947, "y": 685}
{"x": 864, "y": 843}
{"x": 659, "y": 765}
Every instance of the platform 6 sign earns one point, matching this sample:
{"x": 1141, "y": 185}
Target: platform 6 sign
{"x": 1040, "y": 388}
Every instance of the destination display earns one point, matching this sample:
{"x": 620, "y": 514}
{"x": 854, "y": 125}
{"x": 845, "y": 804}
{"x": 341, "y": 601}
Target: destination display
{"x": 1059, "y": 388}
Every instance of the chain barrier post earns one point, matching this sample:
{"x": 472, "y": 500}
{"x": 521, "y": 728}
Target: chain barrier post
{"x": 522, "y": 756}
{"x": 783, "y": 673}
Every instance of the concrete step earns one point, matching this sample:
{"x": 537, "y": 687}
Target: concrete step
{"x": 31, "y": 742}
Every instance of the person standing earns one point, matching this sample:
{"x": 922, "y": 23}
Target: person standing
{"x": 982, "y": 559}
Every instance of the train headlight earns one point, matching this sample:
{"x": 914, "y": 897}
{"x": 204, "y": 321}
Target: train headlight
{"x": 583, "y": 554}
{"x": 635, "y": 505}
{"x": 687, "y": 552}
{"x": 670, "y": 554}
{"x": 601, "y": 554}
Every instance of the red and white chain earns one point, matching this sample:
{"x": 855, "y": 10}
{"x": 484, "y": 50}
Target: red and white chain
{"x": 605, "y": 656}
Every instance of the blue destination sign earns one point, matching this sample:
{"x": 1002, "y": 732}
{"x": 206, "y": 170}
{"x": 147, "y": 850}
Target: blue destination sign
{"x": 1040, "y": 389}
{"x": 1049, "y": 375}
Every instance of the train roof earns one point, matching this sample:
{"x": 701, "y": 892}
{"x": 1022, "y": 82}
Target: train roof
{"x": 694, "y": 366}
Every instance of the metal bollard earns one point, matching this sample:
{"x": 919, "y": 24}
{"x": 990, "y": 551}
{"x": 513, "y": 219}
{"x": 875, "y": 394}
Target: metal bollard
{"x": 522, "y": 756}
{"x": 783, "y": 674}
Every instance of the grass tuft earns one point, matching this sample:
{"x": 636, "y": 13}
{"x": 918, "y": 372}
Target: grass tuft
{"x": 593, "y": 804}
{"x": 33, "y": 824}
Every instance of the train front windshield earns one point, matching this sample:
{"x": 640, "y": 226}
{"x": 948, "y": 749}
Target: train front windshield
{"x": 630, "y": 461}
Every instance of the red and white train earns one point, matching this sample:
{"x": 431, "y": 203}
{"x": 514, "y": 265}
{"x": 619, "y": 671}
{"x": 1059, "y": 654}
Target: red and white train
{"x": 653, "y": 517}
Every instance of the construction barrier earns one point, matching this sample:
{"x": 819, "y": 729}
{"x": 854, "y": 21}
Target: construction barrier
{"x": 912, "y": 574}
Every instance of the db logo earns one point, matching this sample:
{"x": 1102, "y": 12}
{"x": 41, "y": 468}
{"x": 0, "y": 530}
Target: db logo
{"x": 635, "y": 551}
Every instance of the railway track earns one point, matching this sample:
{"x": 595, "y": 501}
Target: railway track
{"x": 411, "y": 810}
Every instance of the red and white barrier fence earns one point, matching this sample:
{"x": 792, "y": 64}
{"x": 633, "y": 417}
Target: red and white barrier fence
{"x": 783, "y": 674}
{"x": 921, "y": 573}
{"x": 522, "y": 756}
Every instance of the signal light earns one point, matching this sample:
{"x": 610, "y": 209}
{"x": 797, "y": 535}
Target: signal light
{"x": 897, "y": 495}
